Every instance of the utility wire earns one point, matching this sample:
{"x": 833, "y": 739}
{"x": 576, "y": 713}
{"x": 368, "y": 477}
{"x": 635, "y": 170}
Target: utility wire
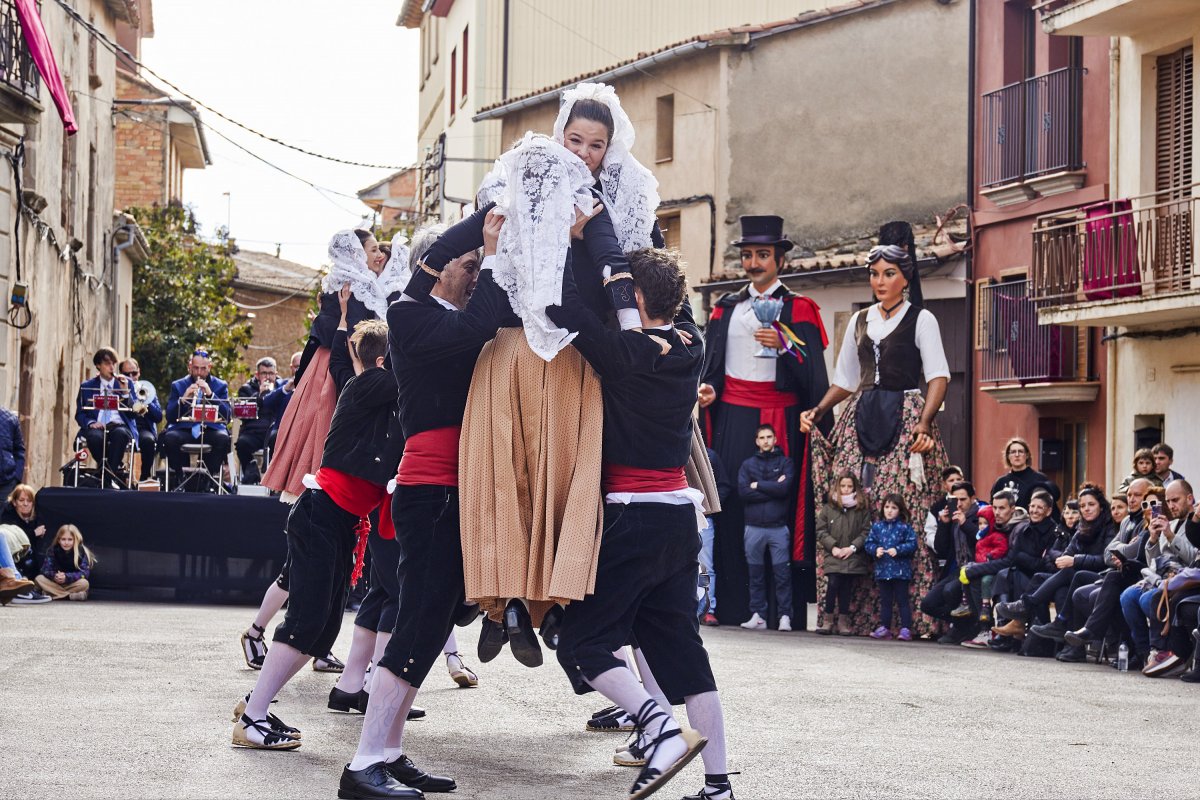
{"x": 118, "y": 49}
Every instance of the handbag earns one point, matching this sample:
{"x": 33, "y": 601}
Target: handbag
{"x": 1187, "y": 581}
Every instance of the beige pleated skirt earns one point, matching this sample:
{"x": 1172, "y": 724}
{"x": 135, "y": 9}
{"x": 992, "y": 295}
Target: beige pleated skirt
{"x": 529, "y": 477}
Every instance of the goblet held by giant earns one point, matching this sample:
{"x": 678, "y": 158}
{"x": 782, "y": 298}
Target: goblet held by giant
{"x": 767, "y": 310}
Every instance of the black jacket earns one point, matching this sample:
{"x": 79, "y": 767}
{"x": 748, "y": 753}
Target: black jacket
{"x": 1088, "y": 551}
{"x": 1027, "y": 544}
{"x": 766, "y": 505}
{"x": 12, "y": 447}
{"x": 364, "y": 438}
{"x": 1024, "y": 483}
{"x": 956, "y": 543}
{"x": 720, "y": 476}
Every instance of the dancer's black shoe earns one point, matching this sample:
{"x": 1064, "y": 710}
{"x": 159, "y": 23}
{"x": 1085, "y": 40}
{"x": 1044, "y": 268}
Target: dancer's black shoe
{"x": 374, "y": 783}
{"x": 551, "y": 625}
{"x": 492, "y": 638}
{"x": 467, "y": 614}
{"x": 346, "y": 701}
{"x": 521, "y": 638}
{"x": 405, "y": 771}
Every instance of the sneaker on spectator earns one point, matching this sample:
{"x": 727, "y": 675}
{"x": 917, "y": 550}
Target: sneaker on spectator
{"x": 785, "y": 623}
{"x": 1013, "y": 609}
{"x": 1072, "y": 655}
{"x": 963, "y": 610}
{"x": 905, "y": 635}
{"x": 956, "y": 635}
{"x": 1160, "y": 663}
{"x": 32, "y": 597}
{"x": 710, "y": 620}
{"x": 755, "y": 623}
{"x": 980, "y": 641}
{"x": 881, "y": 633}
{"x": 1004, "y": 644}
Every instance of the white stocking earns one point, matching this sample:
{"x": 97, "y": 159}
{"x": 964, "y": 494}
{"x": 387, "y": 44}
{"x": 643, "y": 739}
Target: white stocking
{"x": 273, "y": 600}
{"x": 622, "y": 687}
{"x": 705, "y": 715}
{"x": 362, "y": 644}
{"x": 389, "y": 694}
{"x": 649, "y": 681}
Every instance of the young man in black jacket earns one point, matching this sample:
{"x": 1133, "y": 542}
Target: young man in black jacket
{"x": 361, "y": 452}
{"x": 646, "y": 574}
{"x": 764, "y": 484}
{"x": 435, "y": 337}
{"x": 954, "y": 542}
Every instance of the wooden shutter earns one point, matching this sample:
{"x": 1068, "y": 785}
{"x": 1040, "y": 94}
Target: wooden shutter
{"x": 1173, "y": 124}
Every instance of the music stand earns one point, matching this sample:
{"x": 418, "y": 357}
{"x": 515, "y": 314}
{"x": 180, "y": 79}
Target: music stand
{"x": 104, "y": 401}
{"x": 202, "y": 412}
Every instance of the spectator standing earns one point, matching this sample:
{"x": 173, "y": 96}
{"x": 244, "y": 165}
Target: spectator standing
{"x": 764, "y": 484}
{"x": 1022, "y": 479}
{"x": 67, "y": 566}
{"x": 1164, "y": 457}
{"x": 892, "y": 543}
{"x": 708, "y": 603}
{"x": 842, "y": 527}
{"x": 148, "y": 415}
{"x": 12, "y": 451}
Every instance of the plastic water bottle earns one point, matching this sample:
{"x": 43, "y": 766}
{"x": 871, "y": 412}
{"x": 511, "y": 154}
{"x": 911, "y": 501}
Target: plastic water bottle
{"x": 1123, "y": 658}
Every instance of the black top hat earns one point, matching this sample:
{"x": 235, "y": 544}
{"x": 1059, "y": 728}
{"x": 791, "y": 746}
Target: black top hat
{"x": 766, "y": 229}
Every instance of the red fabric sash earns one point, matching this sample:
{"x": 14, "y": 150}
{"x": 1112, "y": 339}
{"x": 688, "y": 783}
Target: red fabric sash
{"x": 771, "y": 403}
{"x": 359, "y": 497}
{"x": 430, "y": 458}
{"x": 619, "y": 478}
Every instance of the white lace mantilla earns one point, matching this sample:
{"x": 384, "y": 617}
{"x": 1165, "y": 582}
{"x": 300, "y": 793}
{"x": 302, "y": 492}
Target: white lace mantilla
{"x": 349, "y": 265}
{"x": 629, "y": 190}
{"x": 396, "y": 272}
{"x": 543, "y": 183}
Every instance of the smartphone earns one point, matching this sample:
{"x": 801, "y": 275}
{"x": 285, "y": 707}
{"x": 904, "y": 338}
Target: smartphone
{"x": 1155, "y": 511}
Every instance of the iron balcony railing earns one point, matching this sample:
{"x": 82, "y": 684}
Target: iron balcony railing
{"x": 17, "y": 70}
{"x": 1117, "y": 249}
{"x": 1016, "y": 349}
{"x": 1032, "y": 127}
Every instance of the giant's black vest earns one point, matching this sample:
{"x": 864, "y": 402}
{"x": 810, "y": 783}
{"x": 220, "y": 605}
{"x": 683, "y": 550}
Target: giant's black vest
{"x": 896, "y": 357}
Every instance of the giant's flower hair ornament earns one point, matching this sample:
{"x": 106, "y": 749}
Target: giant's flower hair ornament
{"x": 395, "y": 273}
{"x": 629, "y": 190}
{"x": 543, "y": 183}
{"x": 349, "y": 265}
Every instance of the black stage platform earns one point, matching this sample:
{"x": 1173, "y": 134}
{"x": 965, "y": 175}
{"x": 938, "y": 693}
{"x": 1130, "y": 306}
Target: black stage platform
{"x": 196, "y": 547}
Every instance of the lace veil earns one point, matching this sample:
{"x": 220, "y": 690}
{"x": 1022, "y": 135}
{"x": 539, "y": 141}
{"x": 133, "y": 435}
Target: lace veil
{"x": 629, "y": 190}
{"x": 349, "y": 265}
{"x": 540, "y": 185}
{"x": 395, "y": 273}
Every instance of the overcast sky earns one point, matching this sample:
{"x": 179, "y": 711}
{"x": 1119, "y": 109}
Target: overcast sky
{"x": 336, "y": 78}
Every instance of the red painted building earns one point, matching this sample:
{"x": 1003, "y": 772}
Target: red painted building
{"x": 1040, "y": 149}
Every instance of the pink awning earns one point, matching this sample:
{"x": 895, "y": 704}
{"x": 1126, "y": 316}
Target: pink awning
{"x": 43, "y": 57}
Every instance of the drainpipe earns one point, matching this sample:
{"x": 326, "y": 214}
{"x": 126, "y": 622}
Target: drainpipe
{"x": 971, "y": 310}
{"x": 1114, "y": 178}
{"x": 115, "y": 312}
{"x": 504, "y": 57}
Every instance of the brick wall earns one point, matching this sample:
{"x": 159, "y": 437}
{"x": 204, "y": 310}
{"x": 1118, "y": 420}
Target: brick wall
{"x": 140, "y": 137}
{"x": 279, "y": 331}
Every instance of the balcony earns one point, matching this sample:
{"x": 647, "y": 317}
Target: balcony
{"x": 1115, "y": 17}
{"x": 1129, "y": 263}
{"x": 20, "y": 84}
{"x": 1031, "y": 137}
{"x": 1024, "y": 361}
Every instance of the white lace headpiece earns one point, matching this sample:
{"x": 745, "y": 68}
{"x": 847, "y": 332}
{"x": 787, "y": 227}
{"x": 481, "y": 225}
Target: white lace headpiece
{"x": 543, "y": 183}
{"x": 395, "y": 273}
{"x": 629, "y": 190}
{"x": 349, "y": 265}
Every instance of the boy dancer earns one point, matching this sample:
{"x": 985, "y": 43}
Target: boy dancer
{"x": 361, "y": 453}
{"x": 434, "y": 346}
{"x": 646, "y": 577}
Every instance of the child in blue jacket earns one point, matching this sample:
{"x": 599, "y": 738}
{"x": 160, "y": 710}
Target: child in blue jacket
{"x": 892, "y": 543}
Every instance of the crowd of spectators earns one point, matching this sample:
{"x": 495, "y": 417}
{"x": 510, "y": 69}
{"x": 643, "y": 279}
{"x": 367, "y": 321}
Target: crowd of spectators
{"x": 36, "y": 568}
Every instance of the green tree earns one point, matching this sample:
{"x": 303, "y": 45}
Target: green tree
{"x": 183, "y": 300}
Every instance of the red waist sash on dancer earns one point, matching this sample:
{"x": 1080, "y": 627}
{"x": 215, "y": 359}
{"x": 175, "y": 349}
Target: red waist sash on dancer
{"x": 636, "y": 480}
{"x": 359, "y": 497}
{"x": 430, "y": 458}
{"x": 772, "y": 406}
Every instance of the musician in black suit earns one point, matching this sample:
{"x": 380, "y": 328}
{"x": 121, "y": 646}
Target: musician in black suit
{"x": 149, "y": 414}
{"x": 254, "y": 433}
{"x": 119, "y": 426}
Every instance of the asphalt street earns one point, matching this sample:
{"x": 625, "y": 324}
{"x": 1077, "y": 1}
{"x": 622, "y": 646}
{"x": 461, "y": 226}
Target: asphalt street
{"x": 129, "y": 700}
